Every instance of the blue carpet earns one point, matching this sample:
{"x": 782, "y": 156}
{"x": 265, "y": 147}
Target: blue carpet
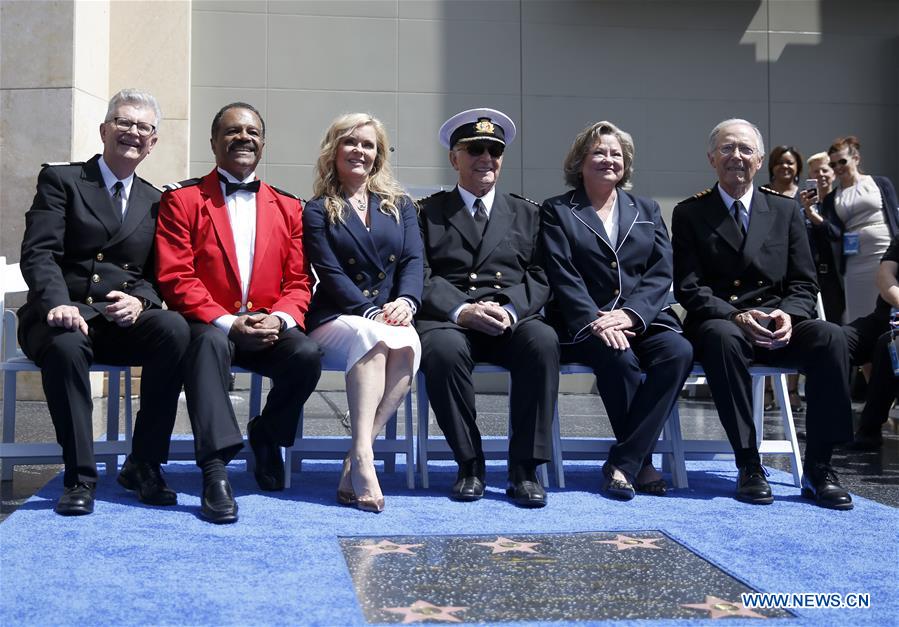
{"x": 282, "y": 564}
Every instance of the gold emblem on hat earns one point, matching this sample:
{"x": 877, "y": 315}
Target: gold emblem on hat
{"x": 484, "y": 126}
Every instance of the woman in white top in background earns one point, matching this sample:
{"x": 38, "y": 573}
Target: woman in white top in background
{"x": 861, "y": 216}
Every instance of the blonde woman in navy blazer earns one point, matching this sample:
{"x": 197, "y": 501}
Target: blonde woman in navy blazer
{"x": 609, "y": 263}
{"x": 361, "y": 235}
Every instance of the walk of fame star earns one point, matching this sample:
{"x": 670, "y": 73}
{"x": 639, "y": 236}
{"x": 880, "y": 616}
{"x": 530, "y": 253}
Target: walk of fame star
{"x": 386, "y": 546}
{"x": 505, "y": 545}
{"x": 423, "y": 610}
{"x": 626, "y": 542}
{"x": 719, "y": 608}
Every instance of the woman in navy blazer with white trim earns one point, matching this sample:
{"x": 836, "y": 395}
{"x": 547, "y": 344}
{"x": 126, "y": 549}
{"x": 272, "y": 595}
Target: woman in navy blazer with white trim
{"x": 361, "y": 235}
{"x": 609, "y": 263}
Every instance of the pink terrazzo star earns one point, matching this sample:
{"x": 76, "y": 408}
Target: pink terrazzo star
{"x": 626, "y": 542}
{"x": 385, "y": 546}
{"x": 505, "y": 545}
{"x": 720, "y": 608}
{"x": 424, "y": 610}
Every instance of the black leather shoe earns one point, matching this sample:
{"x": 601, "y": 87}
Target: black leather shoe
{"x": 616, "y": 488}
{"x": 146, "y": 479}
{"x": 467, "y": 488}
{"x": 820, "y": 482}
{"x": 217, "y": 504}
{"x": 269, "y": 471}
{"x": 752, "y": 487}
{"x": 77, "y": 500}
{"x": 524, "y": 488}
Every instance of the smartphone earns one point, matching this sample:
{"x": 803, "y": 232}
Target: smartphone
{"x": 811, "y": 186}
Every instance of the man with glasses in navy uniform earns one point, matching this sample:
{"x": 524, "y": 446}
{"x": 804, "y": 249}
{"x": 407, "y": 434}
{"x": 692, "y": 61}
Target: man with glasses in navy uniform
{"x": 87, "y": 257}
{"x": 484, "y": 291}
{"x": 743, "y": 271}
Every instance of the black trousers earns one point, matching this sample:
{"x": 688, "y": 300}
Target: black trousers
{"x": 530, "y": 352}
{"x": 867, "y": 338}
{"x": 157, "y": 341}
{"x": 817, "y": 348}
{"x": 293, "y": 364}
{"x": 637, "y": 407}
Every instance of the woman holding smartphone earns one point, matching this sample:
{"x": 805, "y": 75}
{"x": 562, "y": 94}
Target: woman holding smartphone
{"x": 827, "y": 267}
{"x": 860, "y": 216}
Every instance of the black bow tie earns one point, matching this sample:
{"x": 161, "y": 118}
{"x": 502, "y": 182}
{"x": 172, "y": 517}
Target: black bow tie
{"x": 230, "y": 187}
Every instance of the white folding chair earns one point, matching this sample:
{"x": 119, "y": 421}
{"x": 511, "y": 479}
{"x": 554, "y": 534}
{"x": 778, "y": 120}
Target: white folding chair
{"x": 669, "y": 444}
{"x": 438, "y": 448}
{"x": 789, "y": 445}
{"x": 12, "y": 362}
{"x": 386, "y": 447}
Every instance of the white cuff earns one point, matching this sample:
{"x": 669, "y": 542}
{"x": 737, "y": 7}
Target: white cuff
{"x": 224, "y": 322}
{"x": 287, "y": 318}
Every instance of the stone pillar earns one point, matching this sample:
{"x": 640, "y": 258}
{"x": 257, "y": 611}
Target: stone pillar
{"x": 54, "y": 68}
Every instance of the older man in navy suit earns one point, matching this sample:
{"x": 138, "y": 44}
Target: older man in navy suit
{"x": 483, "y": 294}
{"x": 743, "y": 271}
{"x": 87, "y": 256}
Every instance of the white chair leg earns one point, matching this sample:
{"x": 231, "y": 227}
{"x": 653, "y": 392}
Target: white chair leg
{"x": 112, "y": 418}
{"x": 9, "y": 420}
{"x": 390, "y": 434}
{"x": 423, "y": 418}
{"x": 410, "y": 442}
{"x": 758, "y": 408}
{"x": 129, "y": 418}
{"x": 676, "y": 460}
{"x": 558, "y": 454}
{"x": 781, "y": 391}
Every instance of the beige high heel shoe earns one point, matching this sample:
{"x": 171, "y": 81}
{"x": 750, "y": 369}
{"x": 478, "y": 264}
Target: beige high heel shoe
{"x": 374, "y": 504}
{"x": 346, "y": 497}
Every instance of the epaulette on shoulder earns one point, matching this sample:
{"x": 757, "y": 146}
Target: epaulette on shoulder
{"x": 288, "y": 194}
{"x": 156, "y": 187}
{"x": 773, "y": 192}
{"x": 429, "y": 197}
{"x": 53, "y": 164}
{"x": 188, "y": 183}
{"x": 533, "y": 202}
{"x": 698, "y": 195}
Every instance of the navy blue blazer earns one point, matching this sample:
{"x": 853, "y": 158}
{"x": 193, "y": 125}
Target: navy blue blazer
{"x": 588, "y": 273}
{"x": 360, "y": 270}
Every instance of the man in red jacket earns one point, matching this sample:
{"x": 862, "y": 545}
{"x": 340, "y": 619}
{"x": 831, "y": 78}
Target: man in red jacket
{"x": 229, "y": 258}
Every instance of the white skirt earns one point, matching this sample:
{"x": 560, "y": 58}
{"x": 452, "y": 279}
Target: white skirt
{"x": 350, "y": 338}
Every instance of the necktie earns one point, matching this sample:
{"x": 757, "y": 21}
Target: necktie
{"x": 118, "y": 198}
{"x": 231, "y": 188}
{"x": 480, "y": 216}
{"x": 741, "y": 217}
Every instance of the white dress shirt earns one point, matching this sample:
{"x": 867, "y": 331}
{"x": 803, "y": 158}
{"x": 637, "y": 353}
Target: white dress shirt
{"x": 242, "y": 214}
{"x": 110, "y": 179}
{"x": 746, "y": 199}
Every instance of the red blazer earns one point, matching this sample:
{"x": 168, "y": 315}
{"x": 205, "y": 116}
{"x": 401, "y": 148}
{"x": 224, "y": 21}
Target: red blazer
{"x": 196, "y": 262}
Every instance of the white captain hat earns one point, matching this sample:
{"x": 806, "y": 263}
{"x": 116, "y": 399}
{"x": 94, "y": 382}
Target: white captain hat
{"x": 476, "y": 125}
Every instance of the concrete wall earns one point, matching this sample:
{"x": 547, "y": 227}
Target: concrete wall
{"x": 805, "y": 71}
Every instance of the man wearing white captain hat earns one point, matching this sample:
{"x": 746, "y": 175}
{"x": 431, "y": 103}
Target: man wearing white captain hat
{"x": 483, "y": 295}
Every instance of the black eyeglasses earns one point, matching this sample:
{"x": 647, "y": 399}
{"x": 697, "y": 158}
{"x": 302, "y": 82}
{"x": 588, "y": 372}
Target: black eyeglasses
{"x": 144, "y": 129}
{"x": 476, "y": 149}
{"x": 834, "y": 164}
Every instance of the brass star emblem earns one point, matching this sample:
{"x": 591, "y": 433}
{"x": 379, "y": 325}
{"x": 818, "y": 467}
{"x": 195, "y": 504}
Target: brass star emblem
{"x": 505, "y": 545}
{"x": 721, "y": 608}
{"x": 424, "y": 610}
{"x": 385, "y": 546}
